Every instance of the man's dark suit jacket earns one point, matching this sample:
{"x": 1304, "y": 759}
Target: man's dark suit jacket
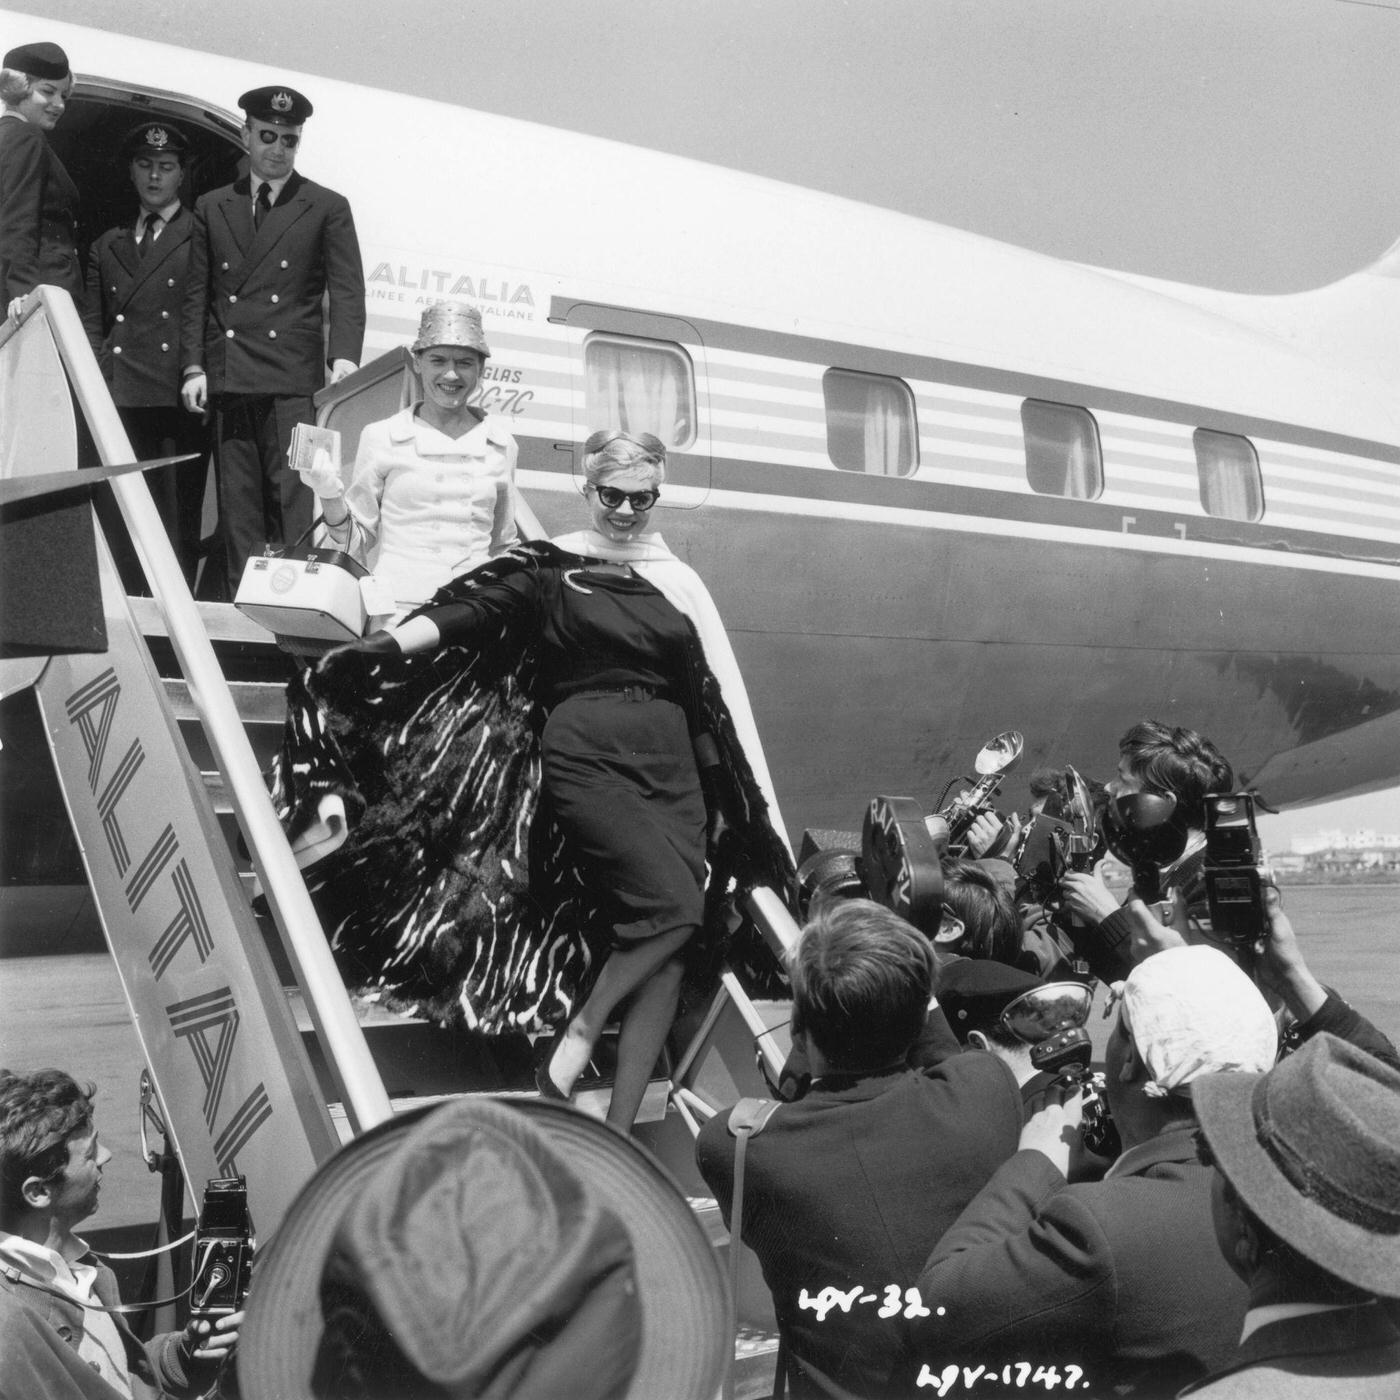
{"x": 1122, "y": 1277}
{"x": 134, "y": 308}
{"x": 252, "y": 314}
{"x": 1348, "y": 1354}
{"x": 852, "y": 1187}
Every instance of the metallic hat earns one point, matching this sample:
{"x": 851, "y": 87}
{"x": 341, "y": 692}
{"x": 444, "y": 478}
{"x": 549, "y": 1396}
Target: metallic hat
{"x": 39, "y": 61}
{"x": 283, "y": 105}
{"x": 154, "y": 139}
{"x": 451, "y": 323}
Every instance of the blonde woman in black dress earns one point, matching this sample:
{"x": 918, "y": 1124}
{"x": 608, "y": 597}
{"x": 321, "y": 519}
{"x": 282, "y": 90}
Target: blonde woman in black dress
{"x": 628, "y": 665}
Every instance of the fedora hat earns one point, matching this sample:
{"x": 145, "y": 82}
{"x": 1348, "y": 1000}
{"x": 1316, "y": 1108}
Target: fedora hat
{"x": 487, "y": 1247}
{"x": 1313, "y": 1150}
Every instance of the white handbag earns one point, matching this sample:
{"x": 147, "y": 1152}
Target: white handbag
{"x": 296, "y": 591}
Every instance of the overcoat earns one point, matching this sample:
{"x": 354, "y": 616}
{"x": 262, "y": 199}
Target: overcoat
{"x": 253, "y": 305}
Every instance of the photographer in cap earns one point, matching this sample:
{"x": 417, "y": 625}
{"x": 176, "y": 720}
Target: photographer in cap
{"x": 1306, "y": 1196}
{"x": 265, "y": 252}
{"x": 136, "y": 291}
{"x": 62, "y": 1333}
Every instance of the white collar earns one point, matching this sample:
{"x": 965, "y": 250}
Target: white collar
{"x": 166, "y": 214}
{"x": 38, "y": 1261}
{"x": 275, "y": 188}
{"x": 1256, "y": 1318}
{"x": 649, "y": 548}
{"x": 406, "y": 426}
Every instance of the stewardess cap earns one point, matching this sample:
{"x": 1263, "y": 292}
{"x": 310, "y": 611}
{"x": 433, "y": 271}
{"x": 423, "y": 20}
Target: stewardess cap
{"x": 39, "y": 61}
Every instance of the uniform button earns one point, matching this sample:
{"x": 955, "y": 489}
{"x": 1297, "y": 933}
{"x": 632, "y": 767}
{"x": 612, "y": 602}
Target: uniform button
{"x": 116, "y": 349}
{"x": 229, "y": 334}
{"x": 284, "y": 262}
{"x": 164, "y": 346}
{"x": 272, "y": 335}
{"x": 232, "y": 298}
{"x": 169, "y": 281}
{"x": 275, "y": 297}
{"x": 114, "y": 286}
{"x": 164, "y": 315}
{"x": 120, "y": 317}
{"x": 225, "y": 267}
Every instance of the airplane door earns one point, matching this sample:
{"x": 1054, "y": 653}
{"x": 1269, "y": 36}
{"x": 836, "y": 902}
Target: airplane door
{"x": 642, "y": 372}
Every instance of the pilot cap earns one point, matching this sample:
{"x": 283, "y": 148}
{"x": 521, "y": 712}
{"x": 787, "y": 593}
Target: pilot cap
{"x": 39, "y": 61}
{"x": 154, "y": 139}
{"x": 283, "y": 105}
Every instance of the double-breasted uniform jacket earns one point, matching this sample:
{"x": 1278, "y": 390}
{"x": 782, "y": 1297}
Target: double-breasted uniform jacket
{"x": 38, "y": 215}
{"x": 134, "y": 309}
{"x": 252, "y": 316}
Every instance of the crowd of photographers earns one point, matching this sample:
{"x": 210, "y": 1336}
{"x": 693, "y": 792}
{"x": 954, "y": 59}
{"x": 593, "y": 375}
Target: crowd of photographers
{"x": 953, "y": 1199}
{"x": 945, "y": 1194}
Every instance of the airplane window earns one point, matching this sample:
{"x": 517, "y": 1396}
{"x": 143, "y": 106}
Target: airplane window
{"x": 870, "y": 423}
{"x": 640, "y": 386}
{"x": 1063, "y": 456}
{"x": 1228, "y": 467}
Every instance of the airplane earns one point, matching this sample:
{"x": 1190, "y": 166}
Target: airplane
{"x": 940, "y": 487}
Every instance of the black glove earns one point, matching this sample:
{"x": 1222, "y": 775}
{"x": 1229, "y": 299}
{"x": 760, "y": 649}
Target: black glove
{"x": 350, "y": 666}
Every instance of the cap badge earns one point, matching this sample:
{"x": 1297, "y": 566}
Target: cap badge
{"x": 157, "y": 136}
{"x": 281, "y": 102}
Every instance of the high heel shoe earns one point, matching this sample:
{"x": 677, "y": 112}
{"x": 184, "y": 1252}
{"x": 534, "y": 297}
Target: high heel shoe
{"x": 544, "y": 1056}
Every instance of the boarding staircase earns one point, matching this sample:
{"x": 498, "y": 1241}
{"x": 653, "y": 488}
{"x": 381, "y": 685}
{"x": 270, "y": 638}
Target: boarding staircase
{"x": 262, "y": 1062}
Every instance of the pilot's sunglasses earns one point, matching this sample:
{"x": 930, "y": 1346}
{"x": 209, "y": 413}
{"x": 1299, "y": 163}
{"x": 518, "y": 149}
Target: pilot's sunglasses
{"x": 638, "y": 500}
{"x": 289, "y": 139}
{"x": 1038, "y": 1014}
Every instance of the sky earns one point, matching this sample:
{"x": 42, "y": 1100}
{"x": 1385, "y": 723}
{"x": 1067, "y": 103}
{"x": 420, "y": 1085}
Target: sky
{"x": 1248, "y": 145}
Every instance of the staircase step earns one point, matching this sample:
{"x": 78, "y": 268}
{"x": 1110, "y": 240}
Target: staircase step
{"x": 222, "y": 621}
{"x": 257, "y": 702}
{"x": 593, "y": 1101}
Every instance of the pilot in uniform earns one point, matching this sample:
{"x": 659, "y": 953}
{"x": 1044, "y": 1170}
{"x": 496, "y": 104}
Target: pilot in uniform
{"x": 136, "y": 292}
{"x": 265, "y": 250}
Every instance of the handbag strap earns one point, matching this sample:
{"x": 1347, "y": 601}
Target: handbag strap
{"x": 747, "y": 1117}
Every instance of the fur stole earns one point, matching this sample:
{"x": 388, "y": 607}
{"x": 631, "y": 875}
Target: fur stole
{"x": 455, "y": 894}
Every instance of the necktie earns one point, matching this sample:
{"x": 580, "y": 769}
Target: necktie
{"x": 148, "y": 234}
{"x": 263, "y": 206}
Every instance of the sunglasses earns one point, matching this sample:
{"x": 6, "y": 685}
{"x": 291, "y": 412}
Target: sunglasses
{"x": 289, "y": 139}
{"x": 638, "y": 500}
{"x": 1038, "y": 1014}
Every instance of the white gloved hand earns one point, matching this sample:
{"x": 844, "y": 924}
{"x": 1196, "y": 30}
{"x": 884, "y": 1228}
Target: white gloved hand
{"x": 322, "y": 477}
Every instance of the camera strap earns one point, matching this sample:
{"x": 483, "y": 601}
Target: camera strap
{"x": 747, "y": 1117}
{"x": 15, "y": 1276}
{"x": 145, "y": 1253}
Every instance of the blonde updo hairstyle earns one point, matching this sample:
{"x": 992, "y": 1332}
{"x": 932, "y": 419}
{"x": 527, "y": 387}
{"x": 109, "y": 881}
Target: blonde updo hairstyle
{"x": 14, "y": 86}
{"x": 609, "y": 451}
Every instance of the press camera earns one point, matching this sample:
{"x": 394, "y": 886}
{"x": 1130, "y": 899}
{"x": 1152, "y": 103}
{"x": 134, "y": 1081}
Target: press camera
{"x": 1234, "y": 872}
{"x": 223, "y": 1250}
{"x": 1066, "y": 1055}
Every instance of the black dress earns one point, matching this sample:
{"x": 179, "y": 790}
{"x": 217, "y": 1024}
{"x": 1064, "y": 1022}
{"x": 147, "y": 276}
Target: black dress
{"x": 618, "y": 766}
{"x": 526, "y": 798}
